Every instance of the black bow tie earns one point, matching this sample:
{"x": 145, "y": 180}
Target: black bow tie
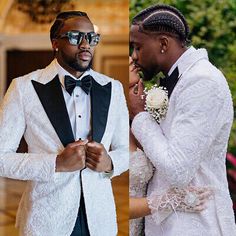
{"x": 169, "y": 82}
{"x": 85, "y": 83}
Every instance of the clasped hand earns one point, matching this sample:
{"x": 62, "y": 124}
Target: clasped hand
{"x": 136, "y": 100}
{"x": 81, "y": 154}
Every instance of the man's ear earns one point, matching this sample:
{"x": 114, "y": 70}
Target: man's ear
{"x": 55, "y": 44}
{"x": 164, "y": 43}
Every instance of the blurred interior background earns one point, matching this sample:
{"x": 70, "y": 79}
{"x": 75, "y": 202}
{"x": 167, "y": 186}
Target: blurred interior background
{"x": 25, "y": 46}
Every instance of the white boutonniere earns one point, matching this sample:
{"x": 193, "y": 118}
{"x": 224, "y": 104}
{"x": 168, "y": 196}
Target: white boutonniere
{"x": 156, "y": 102}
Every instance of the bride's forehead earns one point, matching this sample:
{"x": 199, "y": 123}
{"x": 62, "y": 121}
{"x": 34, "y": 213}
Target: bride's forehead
{"x": 134, "y": 30}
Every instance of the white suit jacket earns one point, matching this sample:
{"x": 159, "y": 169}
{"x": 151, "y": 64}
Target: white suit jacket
{"x": 189, "y": 147}
{"x": 34, "y": 107}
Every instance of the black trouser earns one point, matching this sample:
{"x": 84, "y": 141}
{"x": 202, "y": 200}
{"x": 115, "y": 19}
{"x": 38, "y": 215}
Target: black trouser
{"x": 81, "y": 225}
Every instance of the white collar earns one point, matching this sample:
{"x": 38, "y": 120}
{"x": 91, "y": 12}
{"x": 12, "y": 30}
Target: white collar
{"x": 190, "y": 50}
{"x": 188, "y": 59}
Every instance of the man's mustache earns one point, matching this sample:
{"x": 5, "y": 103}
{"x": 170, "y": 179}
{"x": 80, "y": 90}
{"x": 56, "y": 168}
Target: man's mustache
{"x": 138, "y": 66}
{"x": 85, "y": 50}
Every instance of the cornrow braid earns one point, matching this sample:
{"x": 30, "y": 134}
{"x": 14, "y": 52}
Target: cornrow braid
{"x": 61, "y": 18}
{"x": 163, "y": 18}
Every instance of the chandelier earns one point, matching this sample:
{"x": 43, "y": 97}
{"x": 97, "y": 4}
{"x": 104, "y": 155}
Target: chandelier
{"x": 44, "y": 11}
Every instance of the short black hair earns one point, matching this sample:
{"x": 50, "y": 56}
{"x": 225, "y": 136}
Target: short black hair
{"x": 61, "y": 18}
{"x": 163, "y": 18}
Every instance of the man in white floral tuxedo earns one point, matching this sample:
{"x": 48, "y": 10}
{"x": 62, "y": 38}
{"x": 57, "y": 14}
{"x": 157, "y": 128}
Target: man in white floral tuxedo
{"x": 188, "y": 147}
{"x": 75, "y": 122}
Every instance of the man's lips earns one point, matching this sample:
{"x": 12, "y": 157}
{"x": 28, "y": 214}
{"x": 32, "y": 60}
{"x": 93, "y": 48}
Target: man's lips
{"x": 85, "y": 56}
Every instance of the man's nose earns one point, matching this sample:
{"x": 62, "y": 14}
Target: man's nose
{"x": 84, "y": 43}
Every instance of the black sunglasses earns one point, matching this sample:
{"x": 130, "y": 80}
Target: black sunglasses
{"x": 76, "y": 37}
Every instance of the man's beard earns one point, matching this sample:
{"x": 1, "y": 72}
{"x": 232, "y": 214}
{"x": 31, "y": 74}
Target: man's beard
{"x": 147, "y": 73}
{"x": 75, "y": 64}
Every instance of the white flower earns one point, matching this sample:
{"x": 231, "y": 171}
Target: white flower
{"x": 156, "y": 102}
{"x": 155, "y": 98}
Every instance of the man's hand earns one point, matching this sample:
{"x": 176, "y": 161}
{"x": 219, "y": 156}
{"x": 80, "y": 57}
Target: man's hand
{"x": 72, "y": 158}
{"x": 136, "y": 99}
{"x": 97, "y": 158}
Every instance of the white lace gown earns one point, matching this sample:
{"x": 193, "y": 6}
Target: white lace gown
{"x": 141, "y": 171}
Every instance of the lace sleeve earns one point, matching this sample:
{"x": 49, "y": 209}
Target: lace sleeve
{"x": 191, "y": 199}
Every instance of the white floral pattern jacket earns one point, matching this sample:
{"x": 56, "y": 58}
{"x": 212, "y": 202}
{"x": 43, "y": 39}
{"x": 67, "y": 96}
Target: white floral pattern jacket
{"x": 49, "y": 205}
{"x": 189, "y": 147}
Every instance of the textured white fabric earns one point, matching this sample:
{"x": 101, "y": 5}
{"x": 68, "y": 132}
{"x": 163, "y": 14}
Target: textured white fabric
{"x": 50, "y": 203}
{"x": 161, "y": 205}
{"x": 78, "y": 105}
{"x": 140, "y": 172}
{"x": 182, "y": 57}
{"x": 189, "y": 147}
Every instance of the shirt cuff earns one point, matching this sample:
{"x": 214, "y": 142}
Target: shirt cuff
{"x": 108, "y": 174}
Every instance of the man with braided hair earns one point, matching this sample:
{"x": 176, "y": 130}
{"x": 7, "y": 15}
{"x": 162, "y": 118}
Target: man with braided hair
{"x": 75, "y": 122}
{"x": 188, "y": 147}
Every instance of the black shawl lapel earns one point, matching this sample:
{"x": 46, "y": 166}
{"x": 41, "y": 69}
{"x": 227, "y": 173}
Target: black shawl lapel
{"x": 169, "y": 82}
{"x": 53, "y": 102}
{"x": 100, "y": 102}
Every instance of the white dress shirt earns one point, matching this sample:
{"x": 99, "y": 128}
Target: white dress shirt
{"x": 78, "y": 105}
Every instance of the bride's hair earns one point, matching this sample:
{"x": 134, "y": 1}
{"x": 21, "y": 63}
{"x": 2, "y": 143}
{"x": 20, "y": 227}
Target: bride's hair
{"x": 165, "y": 19}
